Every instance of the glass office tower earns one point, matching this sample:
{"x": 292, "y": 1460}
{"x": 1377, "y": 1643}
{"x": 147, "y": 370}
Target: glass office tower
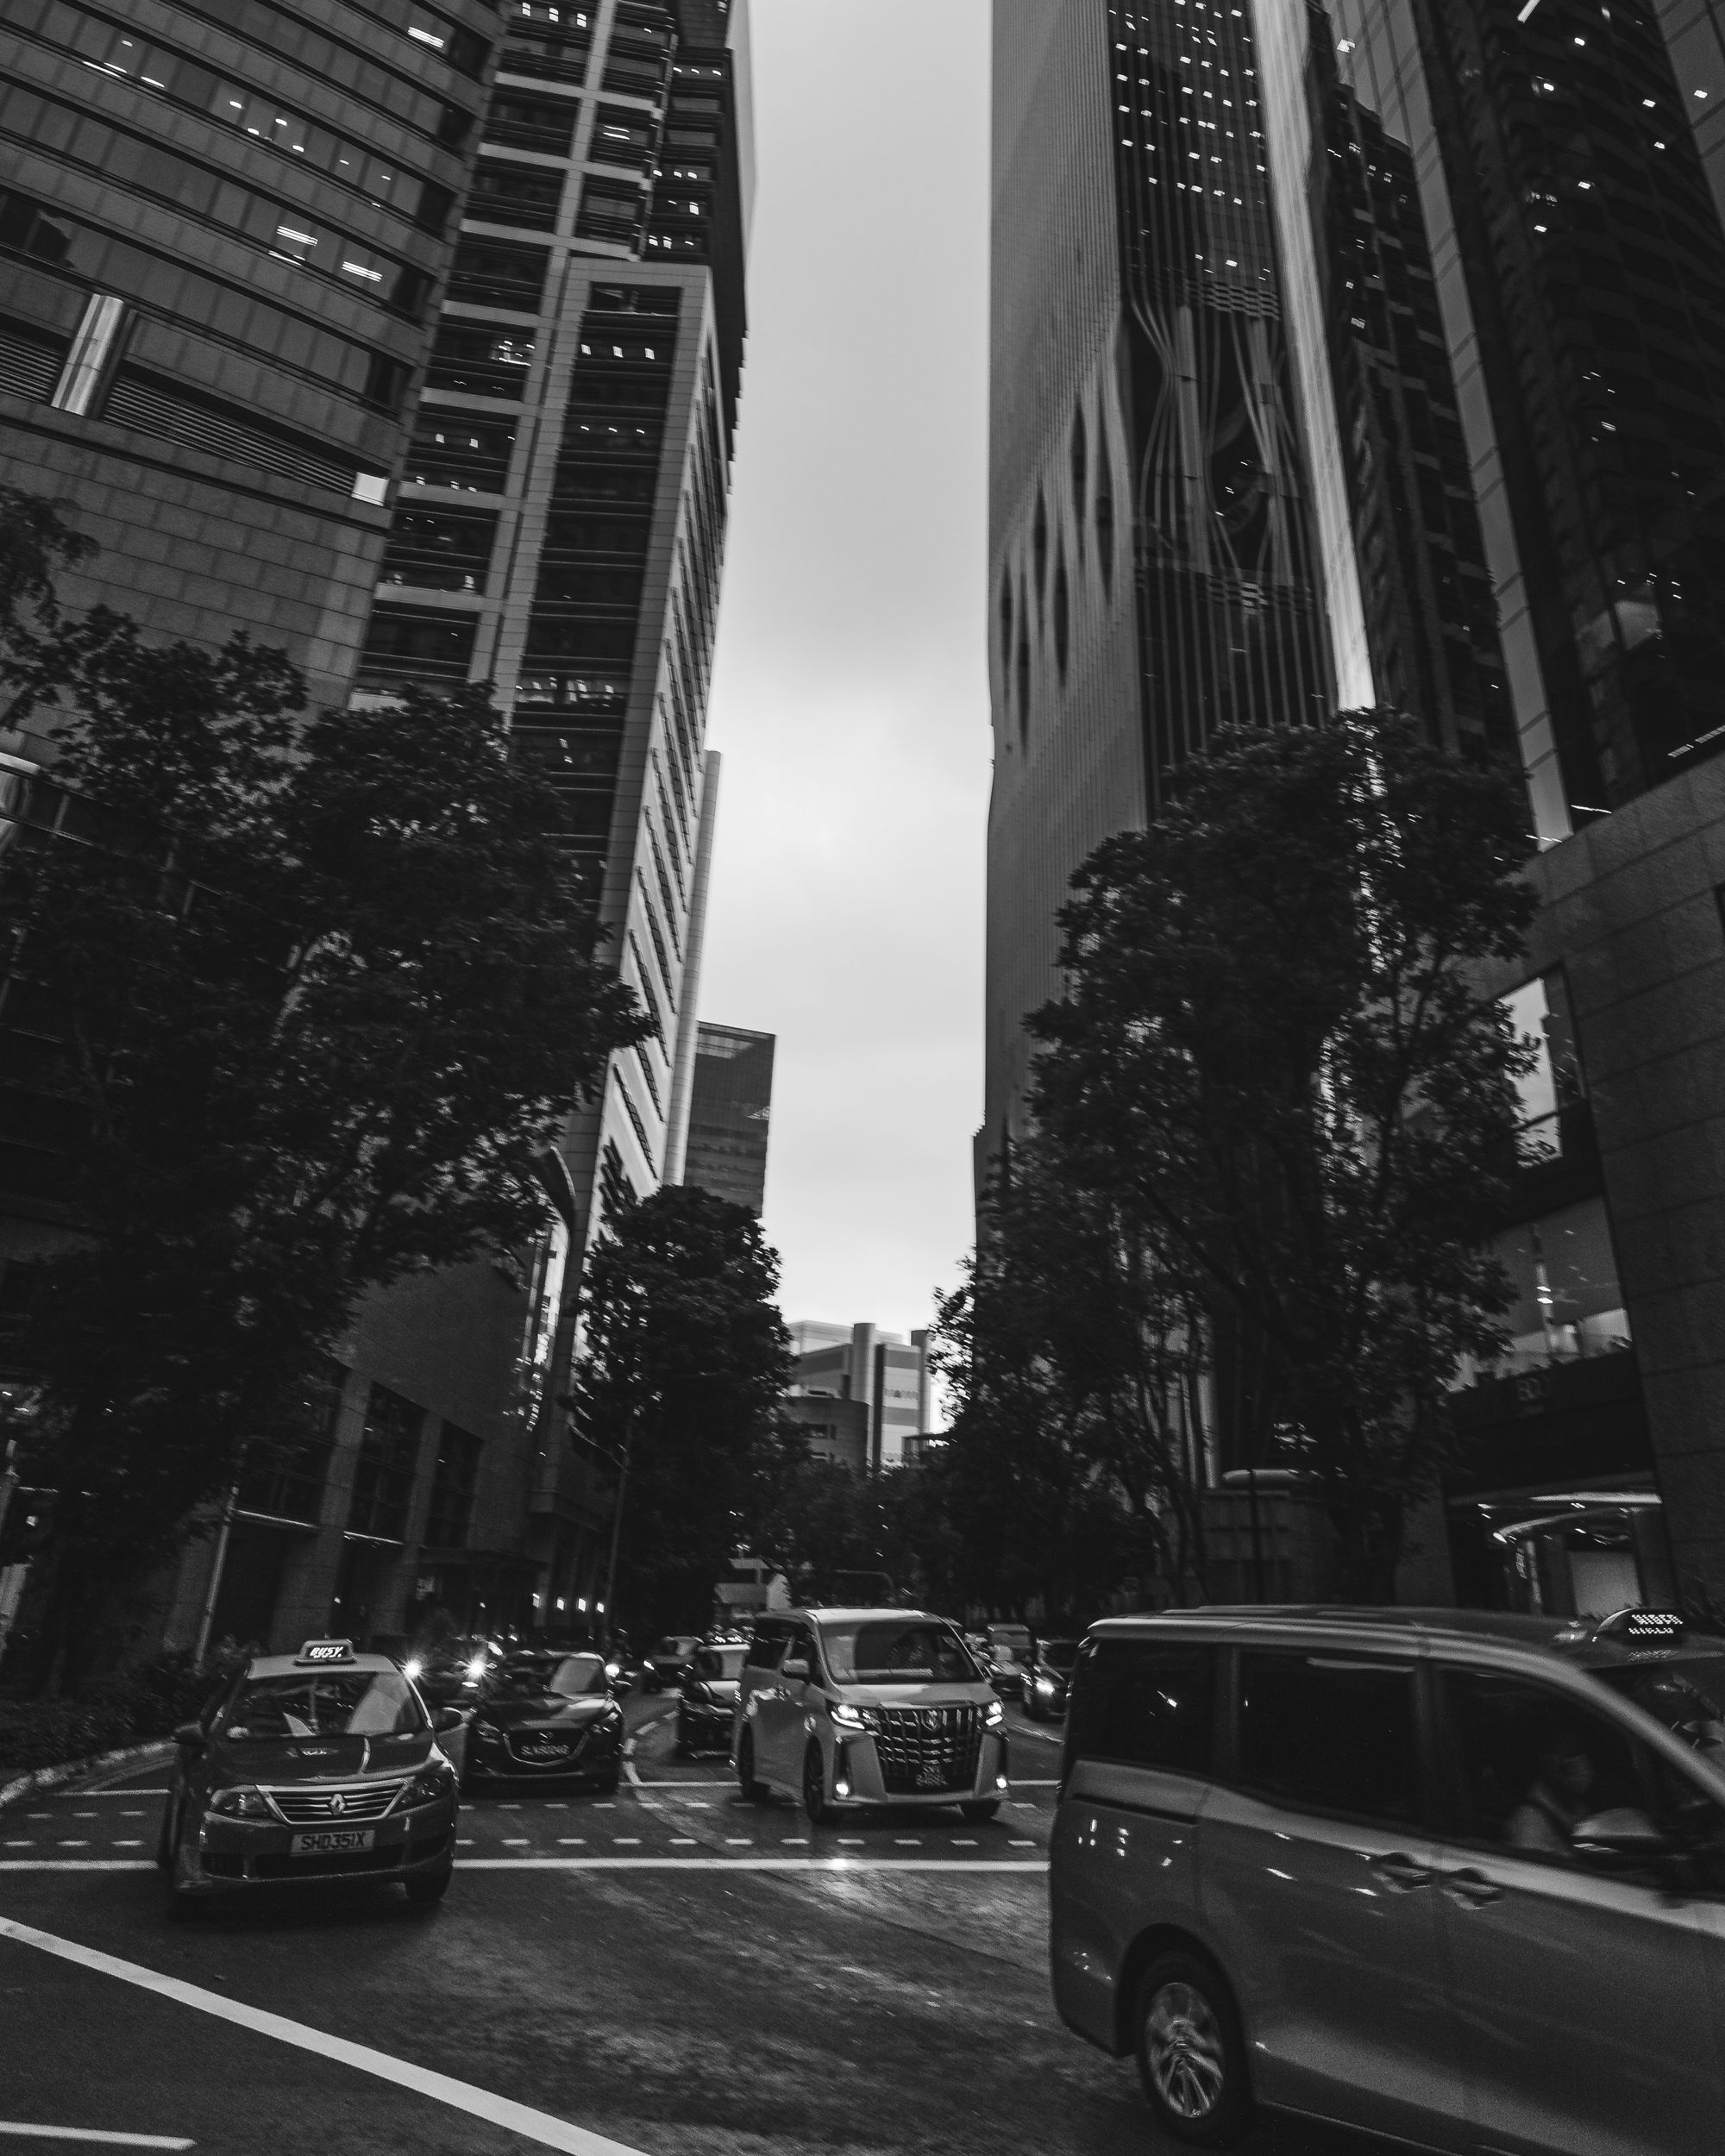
{"x": 222, "y": 235}
{"x": 730, "y": 1107}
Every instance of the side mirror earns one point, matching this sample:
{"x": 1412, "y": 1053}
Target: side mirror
{"x": 796, "y": 1667}
{"x": 447, "y": 1720}
{"x": 1621, "y": 1832}
{"x": 189, "y": 1737}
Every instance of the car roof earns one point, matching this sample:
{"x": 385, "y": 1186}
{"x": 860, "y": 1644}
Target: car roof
{"x": 1576, "y": 1639}
{"x": 861, "y": 1616}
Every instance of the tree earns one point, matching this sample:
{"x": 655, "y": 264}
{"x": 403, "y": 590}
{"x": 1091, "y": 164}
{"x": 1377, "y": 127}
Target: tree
{"x": 1273, "y": 1056}
{"x": 683, "y": 1361}
{"x": 323, "y": 990}
{"x": 1072, "y": 1354}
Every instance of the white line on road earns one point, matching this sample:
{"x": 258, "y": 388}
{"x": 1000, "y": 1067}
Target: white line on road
{"x": 690, "y": 1784}
{"x": 753, "y": 1864}
{"x": 93, "y": 2134}
{"x": 83, "y": 1796}
{"x": 460, "y": 2096}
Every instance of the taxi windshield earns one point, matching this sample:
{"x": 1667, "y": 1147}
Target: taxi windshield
{"x": 1686, "y": 1692}
{"x": 889, "y": 1651}
{"x": 326, "y": 1703}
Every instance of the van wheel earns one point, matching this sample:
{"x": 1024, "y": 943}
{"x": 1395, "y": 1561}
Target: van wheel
{"x": 814, "y": 1788}
{"x": 1191, "y": 2054}
{"x": 753, "y": 1792}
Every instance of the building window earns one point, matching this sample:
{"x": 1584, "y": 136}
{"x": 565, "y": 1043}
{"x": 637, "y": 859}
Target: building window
{"x": 383, "y": 1474}
{"x": 1539, "y": 1012}
{"x": 452, "y": 1489}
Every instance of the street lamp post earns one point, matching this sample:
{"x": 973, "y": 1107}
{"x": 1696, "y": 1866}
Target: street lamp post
{"x": 616, "y": 1530}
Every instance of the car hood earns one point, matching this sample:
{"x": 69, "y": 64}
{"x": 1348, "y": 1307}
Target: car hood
{"x": 287, "y": 1759}
{"x": 536, "y": 1714}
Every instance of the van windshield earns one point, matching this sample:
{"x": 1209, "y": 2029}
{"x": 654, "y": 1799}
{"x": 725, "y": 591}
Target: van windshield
{"x": 894, "y": 1652}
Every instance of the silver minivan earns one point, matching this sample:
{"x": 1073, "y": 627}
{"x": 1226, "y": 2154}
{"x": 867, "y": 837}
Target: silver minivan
{"x": 1447, "y": 1876}
{"x": 850, "y": 1707}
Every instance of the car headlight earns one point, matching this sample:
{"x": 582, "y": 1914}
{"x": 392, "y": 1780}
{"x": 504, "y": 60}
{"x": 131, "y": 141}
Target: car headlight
{"x": 485, "y": 1734}
{"x": 428, "y": 1784}
{"x": 613, "y": 1669}
{"x": 241, "y": 1804}
{"x": 847, "y": 1717}
{"x": 993, "y": 1714}
{"x": 413, "y": 1667}
{"x": 476, "y": 1668}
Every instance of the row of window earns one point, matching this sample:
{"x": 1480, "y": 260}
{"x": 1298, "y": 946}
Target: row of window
{"x": 287, "y": 1483}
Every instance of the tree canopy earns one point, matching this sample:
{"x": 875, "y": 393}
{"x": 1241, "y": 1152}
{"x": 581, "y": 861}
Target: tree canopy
{"x": 684, "y": 1359}
{"x": 313, "y": 991}
{"x": 1273, "y": 1061}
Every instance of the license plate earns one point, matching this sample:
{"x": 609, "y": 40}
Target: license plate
{"x": 333, "y": 1842}
{"x": 540, "y": 1753}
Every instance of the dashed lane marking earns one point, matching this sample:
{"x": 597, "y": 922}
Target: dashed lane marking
{"x": 516, "y": 1841}
{"x": 459, "y": 2095}
{"x": 626, "y": 1841}
{"x": 1024, "y": 1865}
{"x": 93, "y": 2134}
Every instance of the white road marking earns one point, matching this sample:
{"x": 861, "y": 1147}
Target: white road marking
{"x": 851, "y": 1841}
{"x": 131, "y": 1815}
{"x": 793, "y": 1841}
{"x": 683, "y": 1841}
{"x": 572, "y": 1841}
{"x": 87, "y": 1796}
{"x": 958, "y": 1844}
{"x": 74, "y": 1845}
{"x": 464, "y": 1841}
{"x": 517, "y": 1841}
{"x": 460, "y": 2096}
{"x": 76, "y": 1864}
{"x": 752, "y": 1863}
{"x": 739, "y": 1841}
{"x": 1026, "y": 1782}
{"x": 1021, "y": 1845}
{"x": 21, "y": 1845}
{"x": 91, "y": 2133}
{"x": 627, "y": 1841}
{"x": 128, "y": 1845}
{"x": 907, "y": 1841}
{"x": 690, "y": 1784}
{"x": 606, "y": 1807}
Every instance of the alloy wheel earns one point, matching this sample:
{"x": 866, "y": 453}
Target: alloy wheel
{"x": 1184, "y": 2051}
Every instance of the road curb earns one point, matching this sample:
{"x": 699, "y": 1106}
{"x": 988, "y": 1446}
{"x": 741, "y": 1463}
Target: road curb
{"x": 100, "y": 1762}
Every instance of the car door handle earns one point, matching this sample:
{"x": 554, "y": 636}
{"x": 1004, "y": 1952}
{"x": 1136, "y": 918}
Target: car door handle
{"x": 1471, "y": 1890}
{"x": 1401, "y": 1873}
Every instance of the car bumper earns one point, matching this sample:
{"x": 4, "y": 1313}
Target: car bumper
{"x": 594, "y": 1763}
{"x": 229, "y": 1855}
{"x": 856, "y": 1769}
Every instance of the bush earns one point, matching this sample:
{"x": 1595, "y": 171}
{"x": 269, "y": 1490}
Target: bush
{"x": 127, "y": 1708}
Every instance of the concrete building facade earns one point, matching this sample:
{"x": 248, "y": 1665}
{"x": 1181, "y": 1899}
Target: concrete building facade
{"x": 861, "y": 1398}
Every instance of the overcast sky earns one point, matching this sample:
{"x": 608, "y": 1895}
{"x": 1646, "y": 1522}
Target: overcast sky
{"x": 850, "y": 696}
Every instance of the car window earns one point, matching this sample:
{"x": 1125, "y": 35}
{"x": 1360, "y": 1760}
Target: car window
{"x": 1146, "y": 1703}
{"x": 719, "y": 1662}
{"x": 1330, "y": 1734}
{"x": 766, "y": 1650}
{"x": 1531, "y": 1763}
{"x": 1060, "y": 1654}
{"x": 578, "y": 1674}
{"x": 326, "y": 1703}
{"x": 892, "y": 1651}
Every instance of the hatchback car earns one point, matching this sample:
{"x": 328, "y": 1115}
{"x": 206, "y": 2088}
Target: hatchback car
{"x": 309, "y": 1768}
{"x": 546, "y": 1718}
{"x": 1449, "y": 1876}
{"x": 707, "y": 1704}
{"x": 849, "y": 1708}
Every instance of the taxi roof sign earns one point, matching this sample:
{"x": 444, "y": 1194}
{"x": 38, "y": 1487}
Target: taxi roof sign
{"x": 326, "y": 1650}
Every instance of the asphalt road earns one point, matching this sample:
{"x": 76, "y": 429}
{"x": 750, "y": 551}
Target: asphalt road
{"x": 671, "y": 1971}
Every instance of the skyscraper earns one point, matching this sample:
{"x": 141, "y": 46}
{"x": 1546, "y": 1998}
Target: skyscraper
{"x": 731, "y": 1106}
{"x": 560, "y": 532}
{"x": 1150, "y": 548}
{"x": 1498, "y": 266}
{"x": 223, "y": 233}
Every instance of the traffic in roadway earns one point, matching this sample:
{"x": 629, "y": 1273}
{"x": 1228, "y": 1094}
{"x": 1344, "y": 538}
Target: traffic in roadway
{"x": 671, "y": 1968}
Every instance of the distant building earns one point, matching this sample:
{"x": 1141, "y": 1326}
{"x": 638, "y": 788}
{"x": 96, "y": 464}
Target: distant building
{"x": 730, "y": 1100}
{"x": 862, "y": 1398}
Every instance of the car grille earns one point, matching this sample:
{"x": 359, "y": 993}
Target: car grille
{"x": 925, "y": 1749}
{"x": 522, "y": 1746}
{"x": 359, "y": 1801}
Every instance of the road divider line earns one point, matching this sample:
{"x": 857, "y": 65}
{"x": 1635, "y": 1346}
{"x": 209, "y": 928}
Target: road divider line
{"x": 94, "y": 2133}
{"x": 459, "y": 2095}
{"x": 750, "y": 1864}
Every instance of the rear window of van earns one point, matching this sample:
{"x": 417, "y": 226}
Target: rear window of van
{"x": 1145, "y": 1703}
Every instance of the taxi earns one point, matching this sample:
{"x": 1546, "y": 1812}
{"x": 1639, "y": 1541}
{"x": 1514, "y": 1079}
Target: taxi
{"x": 307, "y": 1769}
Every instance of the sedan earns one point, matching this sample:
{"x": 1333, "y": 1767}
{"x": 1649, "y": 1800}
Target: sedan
{"x": 707, "y": 1704}
{"x": 546, "y": 1718}
{"x": 309, "y": 1768}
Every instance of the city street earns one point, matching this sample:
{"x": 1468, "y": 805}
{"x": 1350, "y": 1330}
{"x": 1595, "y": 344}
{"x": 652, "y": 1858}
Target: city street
{"x": 880, "y": 1985}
